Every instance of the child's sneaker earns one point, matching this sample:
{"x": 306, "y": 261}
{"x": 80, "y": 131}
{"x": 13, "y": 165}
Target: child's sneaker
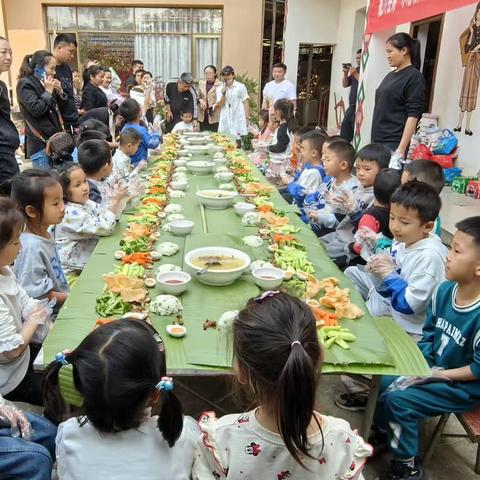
{"x": 403, "y": 471}
{"x": 378, "y": 439}
{"x": 351, "y": 401}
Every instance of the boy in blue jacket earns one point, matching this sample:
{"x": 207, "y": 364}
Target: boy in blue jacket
{"x": 451, "y": 346}
{"x": 131, "y": 111}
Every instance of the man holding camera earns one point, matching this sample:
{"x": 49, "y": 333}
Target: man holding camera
{"x": 350, "y": 79}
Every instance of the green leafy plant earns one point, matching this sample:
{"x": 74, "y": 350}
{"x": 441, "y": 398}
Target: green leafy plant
{"x": 252, "y": 89}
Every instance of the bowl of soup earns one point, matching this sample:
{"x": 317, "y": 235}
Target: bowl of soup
{"x": 268, "y": 278}
{"x": 216, "y": 199}
{"x": 225, "y": 265}
{"x": 173, "y": 283}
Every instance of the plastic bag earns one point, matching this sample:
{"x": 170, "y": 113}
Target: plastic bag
{"x": 11, "y": 416}
{"x": 446, "y": 143}
{"x": 421, "y": 152}
{"x": 341, "y": 200}
{"x": 371, "y": 243}
{"x": 40, "y": 313}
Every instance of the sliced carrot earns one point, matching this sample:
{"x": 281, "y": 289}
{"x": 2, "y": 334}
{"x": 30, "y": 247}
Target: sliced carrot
{"x": 141, "y": 258}
{"x": 323, "y": 318}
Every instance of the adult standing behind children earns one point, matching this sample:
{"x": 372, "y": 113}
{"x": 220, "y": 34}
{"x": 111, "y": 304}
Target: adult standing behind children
{"x": 136, "y": 65}
{"x": 39, "y": 96}
{"x": 93, "y": 96}
{"x": 9, "y": 140}
{"x": 232, "y": 100}
{"x": 400, "y": 98}
{"x": 209, "y": 114}
{"x": 64, "y": 47}
{"x": 180, "y": 96}
{"x": 278, "y": 88}
{"x": 350, "y": 79}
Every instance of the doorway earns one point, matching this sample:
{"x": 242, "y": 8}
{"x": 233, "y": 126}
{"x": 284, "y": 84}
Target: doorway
{"x": 429, "y": 32}
{"x": 313, "y": 84}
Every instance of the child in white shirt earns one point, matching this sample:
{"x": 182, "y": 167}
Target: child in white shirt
{"x": 84, "y": 220}
{"x": 20, "y": 316}
{"x": 121, "y": 163}
{"x": 186, "y": 125}
{"x": 116, "y": 375}
{"x": 277, "y": 357}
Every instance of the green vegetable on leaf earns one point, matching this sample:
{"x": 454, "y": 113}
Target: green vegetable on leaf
{"x": 337, "y": 335}
{"x": 140, "y": 244}
{"x": 109, "y": 304}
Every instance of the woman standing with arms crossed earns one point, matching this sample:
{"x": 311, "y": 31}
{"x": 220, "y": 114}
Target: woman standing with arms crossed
{"x": 400, "y": 99}
{"x": 209, "y": 114}
{"x": 9, "y": 140}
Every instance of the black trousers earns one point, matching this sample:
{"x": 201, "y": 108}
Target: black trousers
{"x": 347, "y": 129}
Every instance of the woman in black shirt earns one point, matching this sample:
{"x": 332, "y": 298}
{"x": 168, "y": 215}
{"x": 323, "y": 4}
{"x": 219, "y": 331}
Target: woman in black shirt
{"x": 400, "y": 99}
{"x": 93, "y": 96}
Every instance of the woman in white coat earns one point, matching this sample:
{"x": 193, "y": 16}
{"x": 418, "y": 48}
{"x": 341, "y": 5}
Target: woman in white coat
{"x": 232, "y": 99}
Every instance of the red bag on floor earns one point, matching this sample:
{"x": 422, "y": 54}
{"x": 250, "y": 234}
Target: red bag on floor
{"x": 445, "y": 161}
{"x": 421, "y": 152}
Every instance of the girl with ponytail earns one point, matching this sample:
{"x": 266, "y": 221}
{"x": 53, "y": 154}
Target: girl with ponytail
{"x": 114, "y": 378}
{"x": 400, "y": 100}
{"x": 278, "y": 358}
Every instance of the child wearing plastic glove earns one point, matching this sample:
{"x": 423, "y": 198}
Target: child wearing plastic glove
{"x": 20, "y": 317}
{"x": 27, "y": 444}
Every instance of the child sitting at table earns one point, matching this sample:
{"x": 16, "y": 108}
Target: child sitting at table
{"x": 131, "y": 111}
{"x": 296, "y": 159}
{"x": 278, "y": 358}
{"x": 451, "y": 347}
{"x": 428, "y": 172}
{"x": 401, "y": 283}
{"x": 369, "y": 161}
{"x": 20, "y": 317}
{"x": 376, "y": 219}
{"x": 327, "y": 210}
{"x": 262, "y": 139}
{"x": 281, "y": 146}
{"x": 130, "y": 141}
{"x": 117, "y": 374}
{"x": 186, "y": 124}
{"x": 84, "y": 221}
{"x": 310, "y": 178}
{"x": 39, "y": 196}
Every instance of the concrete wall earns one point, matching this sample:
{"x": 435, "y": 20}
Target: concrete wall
{"x": 242, "y": 27}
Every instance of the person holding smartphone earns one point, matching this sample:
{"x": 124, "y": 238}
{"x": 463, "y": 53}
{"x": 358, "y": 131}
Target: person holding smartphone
{"x": 350, "y": 79}
{"x": 39, "y": 95}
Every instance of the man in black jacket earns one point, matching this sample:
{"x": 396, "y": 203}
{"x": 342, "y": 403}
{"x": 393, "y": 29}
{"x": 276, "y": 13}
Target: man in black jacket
{"x": 9, "y": 140}
{"x": 64, "y": 48}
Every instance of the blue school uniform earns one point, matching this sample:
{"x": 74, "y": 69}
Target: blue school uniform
{"x": 451, "y": 339}
{"x": 149, "y": 141}
{"x": 297, "y": 189}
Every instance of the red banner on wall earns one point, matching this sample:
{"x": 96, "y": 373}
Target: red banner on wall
{"x": 383, "y": 14}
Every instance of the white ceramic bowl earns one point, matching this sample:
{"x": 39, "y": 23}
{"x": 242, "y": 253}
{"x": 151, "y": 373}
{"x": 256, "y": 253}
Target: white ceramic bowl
{"x": 181, "y": 227}
{"x": 180, "y": 282}
{"x": 220, "y": 162}
{"x": 241, "y": 208}
{"x": 216, "y": 199}
{"x": 180, "y": 162}
{"x": 200, "y": 167}
{"x": 198, "y": 149}
{"x": 179, "y": 184}
{"x": 218, "y": 148}
{"x": 182, "y": 152}
{"x": 268, "y": 278}
{"x": 197, "y": 140}
{"x": 218, "y": 155}
{"x": 224, "y": 177}
{"x": 216, "y": 277}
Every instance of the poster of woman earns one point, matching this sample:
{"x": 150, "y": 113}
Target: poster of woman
{"x": 470, "y": 53}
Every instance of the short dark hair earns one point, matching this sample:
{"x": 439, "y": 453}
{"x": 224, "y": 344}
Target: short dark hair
{"x": 427, "y": 171}
{"x": 146, "y": 72}
{"x": 280, "y": 65}
{"x": 316, "y": 140}
{"x": 301, "y": 131}
{"x": 130, "y": 135}
{"x": 11, "y": 221}
{"x": 418, "y": 196}
{"x": 276, "y": 344}
{"x": 130, "y": 110}
{"x": 470, "y": 226}
{"x": 92, "y": 129}
{"x": 358, "y": 51}
{"x": 116, "y": 368}
{"x": 137, "y": 62}
{"x": 385, "y": 183}
{"x": 335, "y": 138}
{"x": 140, "y": 72}
{"x": 93, "y": 155}
{"x": 186, "y": 110}
{"x": 63, "y": 39}
{"x": 344, "y": 151}
{"x": 374, "y": 152}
